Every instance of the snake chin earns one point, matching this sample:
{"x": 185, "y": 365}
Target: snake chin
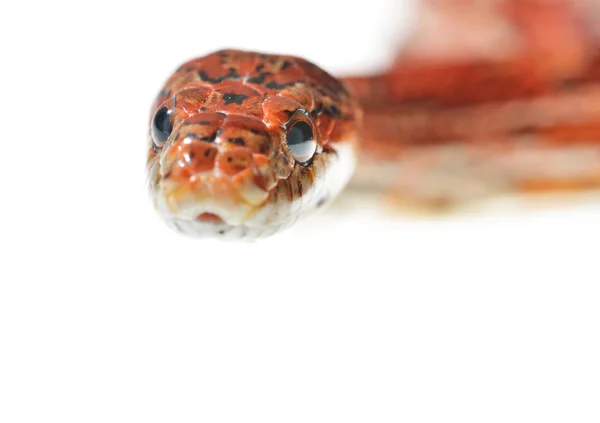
{"x": 210, "y": 206}
{"x": 221, "y": 230}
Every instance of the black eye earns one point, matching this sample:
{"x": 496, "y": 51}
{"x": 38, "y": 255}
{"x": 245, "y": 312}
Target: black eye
{"x": 161, "y": 126}
{"x": 301, "y": 141}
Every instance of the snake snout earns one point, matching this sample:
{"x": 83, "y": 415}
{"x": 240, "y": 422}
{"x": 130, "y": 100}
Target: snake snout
{"x": 218, "y": 169}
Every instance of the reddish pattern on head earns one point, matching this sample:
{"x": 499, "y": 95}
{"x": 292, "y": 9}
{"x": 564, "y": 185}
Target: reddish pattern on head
{"x": 240, "y": 97}
{"x": 229, "y": 113}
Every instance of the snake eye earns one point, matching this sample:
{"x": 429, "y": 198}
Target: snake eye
{"x": 301, "y": 141}
{"x": 162, "y": 126}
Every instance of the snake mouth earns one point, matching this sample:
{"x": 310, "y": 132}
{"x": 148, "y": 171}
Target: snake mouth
{"x": 211, "y": 205}
{"x": 209, "y": 218}
{"x": 211, "y": 198}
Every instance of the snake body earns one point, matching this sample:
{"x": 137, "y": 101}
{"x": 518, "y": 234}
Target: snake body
{"x": 242, "y": 143}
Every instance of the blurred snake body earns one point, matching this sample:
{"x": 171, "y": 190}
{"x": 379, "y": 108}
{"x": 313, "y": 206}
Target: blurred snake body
{"x": 241, "y": 144}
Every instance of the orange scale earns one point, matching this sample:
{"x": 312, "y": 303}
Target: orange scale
{"x": 321, "y": 79}
{"x": 288, "y": 77}
{"x": 185, "y": 81}
{"x": 199, "y": 156}
{"x": 263, "y": 174}
{"x": 191, "y": 100}
{"x": 213, "y": 69}
{"x": 246, "y": 132}
{"x": 244, "y": 64}
{"x": 278, "y": 110}
{"x": 211, "y": 119}
{"x": 192, "y": 156}
{"x": 234, "y": 160}
{"x": 179, "y": 172}
{"x": 237, "y": 98}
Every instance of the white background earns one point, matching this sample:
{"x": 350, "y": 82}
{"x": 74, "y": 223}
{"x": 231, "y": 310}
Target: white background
{"x": 108, "y": 316}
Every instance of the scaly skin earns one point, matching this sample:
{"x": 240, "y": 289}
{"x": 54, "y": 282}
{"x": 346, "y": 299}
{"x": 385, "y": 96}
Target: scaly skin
{"x": 226, "y": 169}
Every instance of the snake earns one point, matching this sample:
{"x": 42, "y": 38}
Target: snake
{"x": 242, "y": 144}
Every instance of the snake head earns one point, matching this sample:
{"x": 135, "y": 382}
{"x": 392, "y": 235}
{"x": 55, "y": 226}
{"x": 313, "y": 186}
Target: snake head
{"x": 230, "y": 157}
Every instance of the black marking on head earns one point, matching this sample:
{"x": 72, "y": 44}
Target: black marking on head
{"x": 286, "y": 65}
{"x": 234, "y": 98}
{"x": 203, "y": 76}
{"x": 210, "y": 138}
{"x": 260, "y": 67}
{"x": 275, "y": 86}
{"x": 238, "y": 141}
{"x": 231, "y": 75}
{"x": 259, "y": 79}
{"x": 207, "y": 153}
{"x": 204, "y": 122}
{"x": 256, "y": 131}
{"x": 300, "y": 189}
{"x": 202, "y": 109}
{"x": 223, "y": 53}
